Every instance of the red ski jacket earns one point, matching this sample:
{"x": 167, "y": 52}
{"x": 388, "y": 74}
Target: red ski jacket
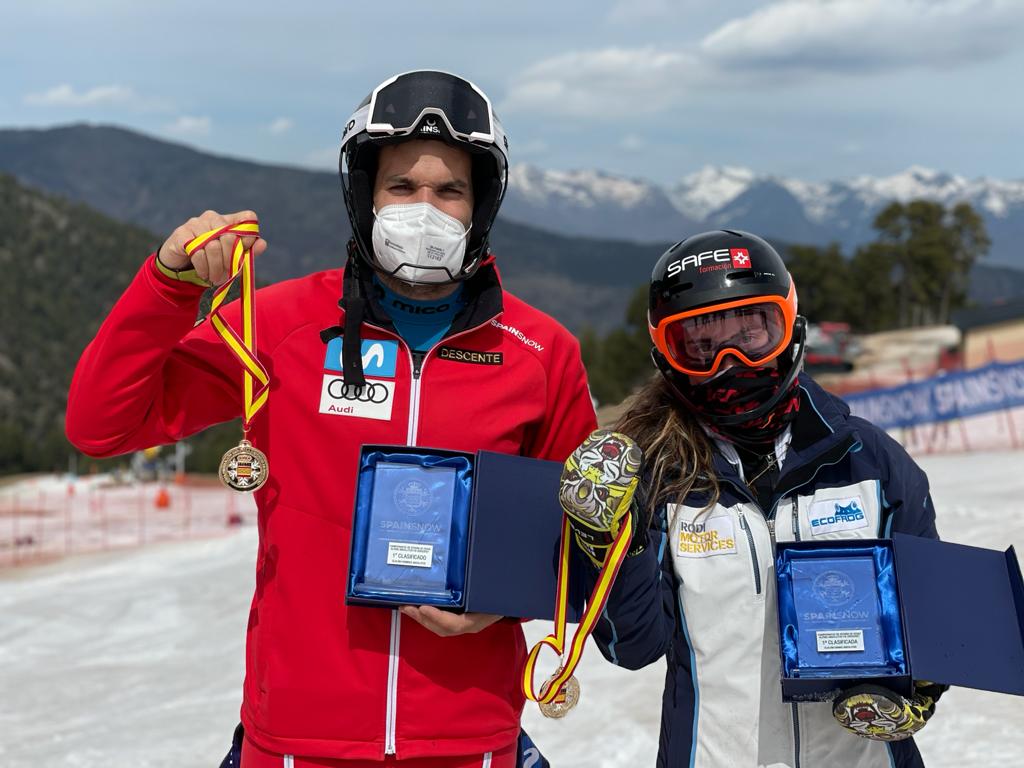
{"x": 322, "y": 678}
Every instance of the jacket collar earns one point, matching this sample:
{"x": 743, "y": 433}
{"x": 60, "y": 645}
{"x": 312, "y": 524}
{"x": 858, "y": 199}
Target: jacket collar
{"x": 821, "y": 435}
{"x": 482, "y": 295}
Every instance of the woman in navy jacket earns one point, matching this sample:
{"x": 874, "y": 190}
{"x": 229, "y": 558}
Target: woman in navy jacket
{"x": 741, "y": 450}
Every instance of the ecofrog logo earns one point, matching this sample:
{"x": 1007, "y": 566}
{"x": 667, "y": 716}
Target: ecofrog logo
{"x": 837, "y": 515}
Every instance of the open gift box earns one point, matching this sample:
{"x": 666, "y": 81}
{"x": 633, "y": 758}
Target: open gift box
{"x": 937, "y": 611}
{"x": 470, "y": 532}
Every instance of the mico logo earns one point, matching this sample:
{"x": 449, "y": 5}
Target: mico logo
{"x": 371, "y": 392}
{"x": 412, "y": 309}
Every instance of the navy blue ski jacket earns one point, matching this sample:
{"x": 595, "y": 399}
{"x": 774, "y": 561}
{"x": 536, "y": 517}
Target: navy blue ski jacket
{"x": 710, "y": 608}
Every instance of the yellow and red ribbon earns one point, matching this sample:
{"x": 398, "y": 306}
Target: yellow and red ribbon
{"x": 255, "y": 380}
{"x": 595, "y": 605}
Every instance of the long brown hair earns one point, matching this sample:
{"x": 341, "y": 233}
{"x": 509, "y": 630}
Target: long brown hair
{"x": 677, "y": 452}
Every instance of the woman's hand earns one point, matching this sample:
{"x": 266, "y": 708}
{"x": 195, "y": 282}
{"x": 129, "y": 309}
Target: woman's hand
{"x": 878, "y": 713}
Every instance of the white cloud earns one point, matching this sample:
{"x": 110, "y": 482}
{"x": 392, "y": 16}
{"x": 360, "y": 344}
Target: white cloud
{"x": 632, "y": 143}
{"x": 634, "y": 11}
{"x": 280, "y": 126}
{"x": 324, "y": 159}
{"x": 770, "y": 47}
{"x": 532, "y": 148}
{"x": 865, "y": 35}
{"x": 191, "y": 125}
{"x": 612, "y": 82}
{"x": 64, "y": 95}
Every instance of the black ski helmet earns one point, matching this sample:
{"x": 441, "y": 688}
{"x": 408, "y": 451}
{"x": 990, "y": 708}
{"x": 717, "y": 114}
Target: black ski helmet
{"x": 425, "y": 104}
{"x": 713, "y": 272}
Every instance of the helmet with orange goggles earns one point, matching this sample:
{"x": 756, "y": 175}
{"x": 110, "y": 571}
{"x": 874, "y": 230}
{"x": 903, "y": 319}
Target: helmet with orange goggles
{"x": 719, "y": 294}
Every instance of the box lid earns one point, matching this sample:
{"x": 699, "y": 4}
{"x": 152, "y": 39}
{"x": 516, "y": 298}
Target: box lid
{"x": 513, "y": 561}
{"x": 963, "y": 610}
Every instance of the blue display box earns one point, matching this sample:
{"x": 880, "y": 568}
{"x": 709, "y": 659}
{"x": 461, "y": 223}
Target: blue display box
{"x": 507, "y": 554}
{"x": 961, "y": 616}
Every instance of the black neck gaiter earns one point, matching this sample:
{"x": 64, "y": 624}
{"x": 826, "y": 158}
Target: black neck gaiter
{"x": 739, "y": 390}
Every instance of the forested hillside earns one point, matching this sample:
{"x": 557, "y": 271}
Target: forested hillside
{"x": 63, "y": 265}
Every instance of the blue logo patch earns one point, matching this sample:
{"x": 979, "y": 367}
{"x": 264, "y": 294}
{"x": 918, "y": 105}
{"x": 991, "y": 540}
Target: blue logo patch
{"x": 841, "y": 516}
{"x": 849, "y": 509}
{"x": 380, "y": 357}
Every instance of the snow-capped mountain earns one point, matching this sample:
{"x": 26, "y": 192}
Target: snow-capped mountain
{"x": 793, "y": 210}
{"x": 592, "y": 203}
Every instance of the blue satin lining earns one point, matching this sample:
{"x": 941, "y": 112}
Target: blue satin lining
{"x": 459, "y": 530}
{"x": 889, "y": 611}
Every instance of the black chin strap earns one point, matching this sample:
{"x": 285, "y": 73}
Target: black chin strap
{"x": 354, "y": 304}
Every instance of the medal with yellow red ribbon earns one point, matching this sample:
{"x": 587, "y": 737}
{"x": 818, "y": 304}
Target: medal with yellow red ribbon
{"x": 561, "y": 692}
{"x": 596, "y": 493}
{"x": 244, "y": 467}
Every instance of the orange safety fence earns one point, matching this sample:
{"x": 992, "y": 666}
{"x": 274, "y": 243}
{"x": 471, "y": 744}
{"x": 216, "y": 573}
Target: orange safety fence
{"x": 47, "y": 517}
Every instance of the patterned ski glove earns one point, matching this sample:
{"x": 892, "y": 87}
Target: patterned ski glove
{"x": 598, "y": 483}
{"x": 878, "y": 713}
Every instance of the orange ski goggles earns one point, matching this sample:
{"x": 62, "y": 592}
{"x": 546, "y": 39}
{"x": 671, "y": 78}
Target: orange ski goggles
{"x": 754, "y": 330}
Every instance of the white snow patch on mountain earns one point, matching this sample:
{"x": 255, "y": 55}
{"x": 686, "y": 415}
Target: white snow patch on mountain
{"x": 703, "y": 192}
{"x": 586, "y": 188}
{"x": 699, "y": 195}
{"x": 993, "y": 195}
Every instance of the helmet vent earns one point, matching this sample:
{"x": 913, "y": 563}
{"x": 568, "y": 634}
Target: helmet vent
{"x": 677, "y": 289}
{"x": 740, "y": 277}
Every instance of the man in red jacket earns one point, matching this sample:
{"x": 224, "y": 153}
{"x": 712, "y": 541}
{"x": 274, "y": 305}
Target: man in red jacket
{"x": 452, "y": 361}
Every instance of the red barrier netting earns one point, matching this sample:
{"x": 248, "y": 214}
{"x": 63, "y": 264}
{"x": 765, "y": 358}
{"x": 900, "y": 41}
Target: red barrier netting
{"x": 47, "y": 517}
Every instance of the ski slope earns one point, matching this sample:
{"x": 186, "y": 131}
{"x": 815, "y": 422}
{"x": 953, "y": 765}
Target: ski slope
{"x": 135, "y": 658}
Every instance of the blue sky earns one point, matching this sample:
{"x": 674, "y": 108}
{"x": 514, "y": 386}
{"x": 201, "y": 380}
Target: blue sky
{"x": 655, "y": 89}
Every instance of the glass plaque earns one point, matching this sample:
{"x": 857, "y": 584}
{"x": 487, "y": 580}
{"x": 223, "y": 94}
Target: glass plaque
{"x": 838, "y": 616}
{"x": 409, "y": 529}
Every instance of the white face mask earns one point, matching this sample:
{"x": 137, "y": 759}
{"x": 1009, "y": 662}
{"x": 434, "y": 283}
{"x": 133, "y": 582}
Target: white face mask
{"x": 420, "y": 236}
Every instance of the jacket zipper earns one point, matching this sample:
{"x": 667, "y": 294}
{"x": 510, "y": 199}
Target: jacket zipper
{"x": 753, "y": 553}
{"x": 796, "y": 534}
{"x": 417, "y": 363}
{"x": 416, "y": 366}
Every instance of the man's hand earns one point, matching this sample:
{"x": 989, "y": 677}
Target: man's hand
{"x": 447, "y": 624}
{"x": 212, "y": 263}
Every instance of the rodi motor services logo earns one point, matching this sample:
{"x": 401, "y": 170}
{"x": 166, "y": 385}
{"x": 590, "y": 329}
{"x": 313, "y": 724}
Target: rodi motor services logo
{"x": 705, "y": 538}
{"x": 709, "y": 261}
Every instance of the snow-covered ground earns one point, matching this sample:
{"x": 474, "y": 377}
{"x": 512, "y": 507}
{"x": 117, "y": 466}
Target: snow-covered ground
{"x": 134, "y": 658}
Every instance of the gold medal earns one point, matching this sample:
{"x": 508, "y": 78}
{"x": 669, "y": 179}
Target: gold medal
{"x": 566, "y": 699}
{"x": 244, "y": 467}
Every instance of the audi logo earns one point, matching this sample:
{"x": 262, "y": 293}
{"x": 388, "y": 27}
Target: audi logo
{"x": 371, "y": 392}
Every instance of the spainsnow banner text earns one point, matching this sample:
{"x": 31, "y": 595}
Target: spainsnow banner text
{"x": 941, "y": 398}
